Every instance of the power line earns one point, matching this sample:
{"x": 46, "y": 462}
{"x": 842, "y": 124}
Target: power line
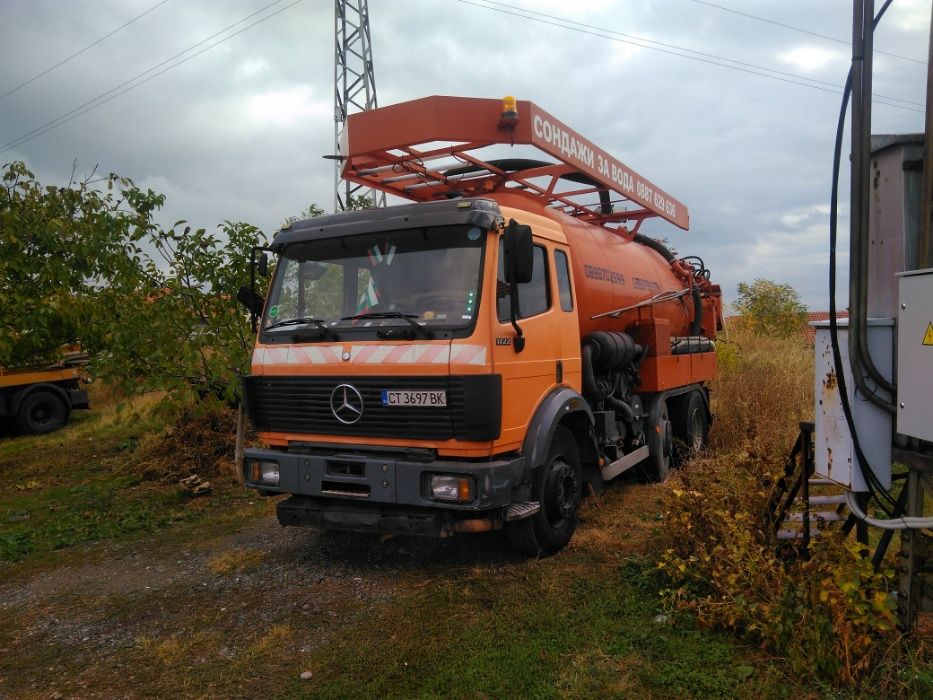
{"x": 78, "y": 53}
{"x": 128, "y": 85}
{"x": 712, "y": 59}
{"x": 802, "y": 31}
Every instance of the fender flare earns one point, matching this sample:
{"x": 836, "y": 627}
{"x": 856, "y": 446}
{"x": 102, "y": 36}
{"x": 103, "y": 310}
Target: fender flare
{"x": 558, "y": 404}
{"x": 20, "y": 395}
{"x": 704, "y": 394}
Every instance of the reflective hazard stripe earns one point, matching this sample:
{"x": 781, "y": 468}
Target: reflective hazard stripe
{"x": 468, "y": 354}
{"x": 436, "y": 354}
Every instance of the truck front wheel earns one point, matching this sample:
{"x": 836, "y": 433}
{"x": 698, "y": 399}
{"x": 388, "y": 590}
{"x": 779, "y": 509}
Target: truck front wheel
{"x": 41, "y": 412}
{"x": 558, "y": 486}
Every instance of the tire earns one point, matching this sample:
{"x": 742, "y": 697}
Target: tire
{"x": 41, "y": 412}
{"x": 558, "y": 486}
{"x": 690, "y": 426}
{"x": 660, "y": 441}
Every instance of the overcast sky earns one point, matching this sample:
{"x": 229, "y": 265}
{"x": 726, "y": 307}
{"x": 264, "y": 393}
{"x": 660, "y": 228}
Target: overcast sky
{"x": 238, "y": 131}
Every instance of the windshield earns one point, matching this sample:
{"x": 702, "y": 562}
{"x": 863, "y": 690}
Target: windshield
{"x": 425, "y": 276}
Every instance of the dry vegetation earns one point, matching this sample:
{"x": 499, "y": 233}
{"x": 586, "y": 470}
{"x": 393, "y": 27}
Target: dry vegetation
{"x": 830, "y": 618}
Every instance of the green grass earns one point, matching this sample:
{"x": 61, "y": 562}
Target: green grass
{"x": 100, "y": 507}
{"x": 92, "y": 481}
{"x": 543, "y": 629}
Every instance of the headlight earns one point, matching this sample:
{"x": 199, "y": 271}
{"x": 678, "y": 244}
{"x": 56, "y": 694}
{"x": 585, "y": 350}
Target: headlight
{"x": 451, "y": 487}
{"x": 265, "y": 472}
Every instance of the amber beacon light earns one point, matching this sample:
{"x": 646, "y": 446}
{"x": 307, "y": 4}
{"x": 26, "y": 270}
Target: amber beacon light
{"x": 509, "y": 117}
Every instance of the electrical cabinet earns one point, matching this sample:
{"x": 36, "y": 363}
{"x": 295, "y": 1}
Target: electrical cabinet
{"x": 834, "y": 450}
{"x": 915, "y": 354}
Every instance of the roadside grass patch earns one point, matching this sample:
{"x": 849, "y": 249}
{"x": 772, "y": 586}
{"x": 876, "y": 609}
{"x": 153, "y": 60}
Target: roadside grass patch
{"x": 99, "y": 507}
{"x": 111, "y": 473}
{"x": 561, "y": 627}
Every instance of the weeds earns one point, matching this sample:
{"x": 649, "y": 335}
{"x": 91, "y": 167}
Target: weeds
{"x": 832, "y": 617}
{"x": 112, "y": 472}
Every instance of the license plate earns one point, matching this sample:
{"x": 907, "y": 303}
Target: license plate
{"x": 404, "y": 397}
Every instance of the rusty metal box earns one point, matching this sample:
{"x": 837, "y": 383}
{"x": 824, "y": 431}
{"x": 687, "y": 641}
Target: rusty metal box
{"x": 915, "y": 354}
{"x": 834, "y": 451}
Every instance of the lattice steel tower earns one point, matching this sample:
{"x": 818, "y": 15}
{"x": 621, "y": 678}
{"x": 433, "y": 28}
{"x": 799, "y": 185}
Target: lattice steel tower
{"x": 354, "y": 87}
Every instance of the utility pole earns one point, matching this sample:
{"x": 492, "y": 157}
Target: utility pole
{"x": 354, "y": 88}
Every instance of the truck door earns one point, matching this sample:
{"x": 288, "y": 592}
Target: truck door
{"x": 527, "y": 376}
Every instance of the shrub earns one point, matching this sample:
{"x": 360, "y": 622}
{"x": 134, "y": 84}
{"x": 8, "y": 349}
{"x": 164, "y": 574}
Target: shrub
{"x": 770, "y": 309}
{"x": 831, "y": 617}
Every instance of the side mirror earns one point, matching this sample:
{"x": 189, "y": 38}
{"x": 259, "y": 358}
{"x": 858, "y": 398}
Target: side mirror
{"x": 263, "y": 265}
{"x": 520, "y": 253}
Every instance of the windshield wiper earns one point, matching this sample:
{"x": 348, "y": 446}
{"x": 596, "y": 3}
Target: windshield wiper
{"x": 319, "y": 323}
{"x": 392, "y": 314}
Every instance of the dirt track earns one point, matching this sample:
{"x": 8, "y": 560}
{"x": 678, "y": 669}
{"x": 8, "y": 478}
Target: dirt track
{"x": 234, "y": 589}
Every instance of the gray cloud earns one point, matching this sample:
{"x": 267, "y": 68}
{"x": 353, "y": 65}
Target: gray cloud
{"x": 238, "y": 132}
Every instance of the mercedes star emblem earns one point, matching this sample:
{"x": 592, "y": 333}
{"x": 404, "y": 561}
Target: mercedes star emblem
{"x": 346, "y": 403}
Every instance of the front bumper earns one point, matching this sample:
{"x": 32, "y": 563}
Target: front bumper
{"x": 334, "y": 514}
{"x": 385, "y": 479}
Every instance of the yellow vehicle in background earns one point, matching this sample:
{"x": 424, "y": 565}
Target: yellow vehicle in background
{"x": 39, "y": 400}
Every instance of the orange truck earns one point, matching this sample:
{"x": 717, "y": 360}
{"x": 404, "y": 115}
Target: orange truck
{"x": 484, "y": 357}
{"x": 40, "y": 399}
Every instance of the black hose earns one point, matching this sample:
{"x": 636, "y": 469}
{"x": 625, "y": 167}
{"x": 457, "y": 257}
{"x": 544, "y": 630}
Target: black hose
{"x": 590, "y": 389}
{"x": 656, "y": 246}
{"x": 627, "y": 414}
{"x": 697, "y": 323}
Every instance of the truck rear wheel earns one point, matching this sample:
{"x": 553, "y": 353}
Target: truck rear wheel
{"x": 41, "y": 412}
{"x": 660, "y": 441}
{"x": 558, "y": 486}
{"x": 690, "y": 424}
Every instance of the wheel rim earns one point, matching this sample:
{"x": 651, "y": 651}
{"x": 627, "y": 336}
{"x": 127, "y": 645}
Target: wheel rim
{"x": 41, "y": 415}
{"x": 562, "y": 488}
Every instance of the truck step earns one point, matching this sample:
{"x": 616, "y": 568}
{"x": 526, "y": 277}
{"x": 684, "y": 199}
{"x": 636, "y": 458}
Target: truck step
{"x": 827, "y": 515}
{"x": 611, "y": 471}
{"x": 517, "y": 511}
{"x": 816, "y": 481}
{"x": 827, "y": 500}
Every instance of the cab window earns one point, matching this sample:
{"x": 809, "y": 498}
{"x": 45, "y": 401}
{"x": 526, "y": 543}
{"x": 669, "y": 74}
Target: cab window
{"x": 533, "y": 297}
{"x": 563, "y": 280}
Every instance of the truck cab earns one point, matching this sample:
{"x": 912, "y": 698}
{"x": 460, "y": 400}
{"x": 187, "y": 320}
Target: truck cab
{"x": 386, "y": 381}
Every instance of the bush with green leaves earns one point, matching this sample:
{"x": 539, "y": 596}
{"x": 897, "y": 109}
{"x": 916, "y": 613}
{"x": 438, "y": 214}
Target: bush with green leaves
{"x": 770, "y": 308}
{"x": 156, "y": 307}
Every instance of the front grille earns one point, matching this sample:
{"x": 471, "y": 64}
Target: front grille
{"x": 302, "y": 405}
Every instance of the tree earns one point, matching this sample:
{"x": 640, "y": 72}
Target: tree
{"x": 155, "y": 307}
{"x": 311, "y": 212}
{"x": 356, "y": 202}
{"x": 196, "y": 335}
{"x": 59, "y": 246}
{"x": 770, "y": 308}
